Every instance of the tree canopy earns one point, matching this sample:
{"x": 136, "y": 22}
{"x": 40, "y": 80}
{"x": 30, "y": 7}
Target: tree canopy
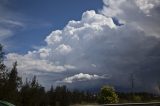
{"x": 108, "y": 95}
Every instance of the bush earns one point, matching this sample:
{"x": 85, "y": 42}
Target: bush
{"x": 108, "y": 95}
{"x": 137, "y": 98}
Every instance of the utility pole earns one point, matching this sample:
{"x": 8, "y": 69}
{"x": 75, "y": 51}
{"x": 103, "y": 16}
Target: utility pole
{"x": 132, "y": 82}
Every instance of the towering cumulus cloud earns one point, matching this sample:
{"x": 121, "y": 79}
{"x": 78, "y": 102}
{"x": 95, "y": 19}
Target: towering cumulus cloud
{"x": 97, "y": 46}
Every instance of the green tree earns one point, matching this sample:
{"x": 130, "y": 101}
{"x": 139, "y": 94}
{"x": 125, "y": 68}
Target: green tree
{"x": 62, "y": 97}
{"x": 14, "y": 80}
{"x": 33, "y": 94}
{"x": 13, "y": 84}
{"x": 108, "y": 95}
{"x": 1, "y": 54}
{"x": 3, "y": 74}
{"x": 24, "y": 92}
{"x": 51, "y": 96}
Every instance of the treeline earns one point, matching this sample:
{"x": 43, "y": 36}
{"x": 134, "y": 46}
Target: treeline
{"x": 32, "y": 94}
{"x": 137, "y": 97}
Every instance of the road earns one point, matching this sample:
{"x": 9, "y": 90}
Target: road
{"x": 127, "y": 104}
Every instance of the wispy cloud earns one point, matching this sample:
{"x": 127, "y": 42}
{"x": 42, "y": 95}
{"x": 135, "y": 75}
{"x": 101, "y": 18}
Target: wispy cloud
{"x": 4, "y": 33}
{"x": 11, "y": 23}
{"x": 8, "y": 23}
{"x": 7, "y": 28}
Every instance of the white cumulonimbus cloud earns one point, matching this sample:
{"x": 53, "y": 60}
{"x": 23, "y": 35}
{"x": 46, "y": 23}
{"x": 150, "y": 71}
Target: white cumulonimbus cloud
{"x": 68, "y": 43}
{"x": 95, "y": 44}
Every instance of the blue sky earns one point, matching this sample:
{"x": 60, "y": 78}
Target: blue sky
{"x": 41, "y": 17}
{"x": 89, "y": 42}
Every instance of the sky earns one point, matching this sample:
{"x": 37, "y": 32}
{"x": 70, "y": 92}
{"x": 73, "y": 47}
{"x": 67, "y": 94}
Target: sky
{"x": 31, "y": 21}
{"x": 84, "y": 44}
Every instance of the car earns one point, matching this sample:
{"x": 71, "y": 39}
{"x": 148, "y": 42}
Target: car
{"x": 4, "y": 103}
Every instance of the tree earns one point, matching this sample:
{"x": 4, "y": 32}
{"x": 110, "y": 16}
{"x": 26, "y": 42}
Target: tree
{"x": 14, "y": 80}
{"x": 51, "y": 97}
{"x": 62, "y": 97}
{"x": 13, "y": 84}
{"x": 34, "y": 83}
{"x": 1, "y": 54}
{"x": 33, "y": 94}
{"x": 108, "y": 95}
{"x": 3, "y": 74}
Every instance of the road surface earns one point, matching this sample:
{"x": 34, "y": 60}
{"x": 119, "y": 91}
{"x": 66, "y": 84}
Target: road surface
{"x": 127, "y": 104}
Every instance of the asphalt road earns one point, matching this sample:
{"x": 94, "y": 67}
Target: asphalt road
{"x": 127, "y": 104}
